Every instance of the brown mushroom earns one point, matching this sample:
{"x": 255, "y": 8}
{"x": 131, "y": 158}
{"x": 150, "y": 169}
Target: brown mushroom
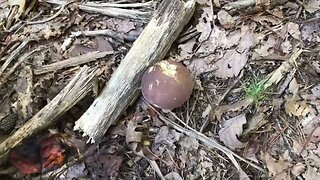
{"x": 167, "y": 84}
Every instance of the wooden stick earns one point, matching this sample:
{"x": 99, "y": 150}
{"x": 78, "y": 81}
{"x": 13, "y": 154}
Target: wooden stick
{"x": 151, "y": 46}
{"x": 77, "y": 88}
{"x": 71, "y": 62}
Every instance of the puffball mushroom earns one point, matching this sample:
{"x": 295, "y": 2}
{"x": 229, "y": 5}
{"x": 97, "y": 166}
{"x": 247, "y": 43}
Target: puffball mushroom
{"x": 167, "y": 84}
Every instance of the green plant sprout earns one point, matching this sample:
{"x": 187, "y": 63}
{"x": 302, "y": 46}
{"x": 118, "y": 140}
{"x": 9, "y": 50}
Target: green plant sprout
{"x": 256, "y": 91}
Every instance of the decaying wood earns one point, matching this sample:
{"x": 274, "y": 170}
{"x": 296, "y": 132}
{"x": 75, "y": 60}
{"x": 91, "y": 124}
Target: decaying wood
{"x": 72, "y": 62}
{"x": 77, "y": 88}
{"x": 151, "y": 46}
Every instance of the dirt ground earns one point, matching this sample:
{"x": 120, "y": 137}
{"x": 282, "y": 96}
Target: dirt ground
{"x": 253, "y": 112}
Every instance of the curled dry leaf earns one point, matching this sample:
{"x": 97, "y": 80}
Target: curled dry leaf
{"x": 312, "y": 6}
{"x": 293, "y": 30}
{"x": 311, "y": 173}
{"x": 277, "y": 169}
{"x": 230, "y": 131}
{"x": 133, "y": 135}
{"x": 298, "y": 169}
{"x": 225, "y": 19}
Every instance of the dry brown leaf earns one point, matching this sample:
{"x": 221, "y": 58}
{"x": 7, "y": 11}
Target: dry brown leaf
{"x": 243, "y": 175}
{"x": 298, "y": 169}
{"x": 286, "y": 46}
{"x": 186, "y": 49}
{"x": 293, "y": 30}
{"x": 198, "y": 66}
{"x": 296, "y": 108}
{"x": 277, "y": 169}
{"x": 255, "y": 122}
{"x": 230, "y": 64}
{"x": 316, "y": 91}
{"x": 225, "y": 19}
{"x": 267, "y": 46}
{"x": 250, "y": 152}
{"x": 312, "y": 6}
{"x": 232, "y": 107}
{"x": 204, "y": 25}
{"x": 231, "y": 129}
{"x": 246, "y": 41}
{"x": 173, "y": 176}
{"x": 311, "y": 173}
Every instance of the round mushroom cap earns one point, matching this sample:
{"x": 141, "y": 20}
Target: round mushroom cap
{"x": 167, "y": 84}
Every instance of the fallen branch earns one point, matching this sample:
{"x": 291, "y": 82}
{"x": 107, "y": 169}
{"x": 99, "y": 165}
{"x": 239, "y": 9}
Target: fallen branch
{"x": 71, "y": 62}
{"x": 113, "y": 11}
{"x": 241, "y": 4}
{"x": 151, "y": 46}
{"x": 77, "y": 88}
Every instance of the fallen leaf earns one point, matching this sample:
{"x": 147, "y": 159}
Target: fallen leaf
{"x": 76, "y": 171}
{"x": 173, "y": 176}
{"x": 232, "y": 107}
{"x": 316, "y": 91}
{"x": 231, "y": 129}
{"x": 230, "y": 64}
{"x": 277, "y": 169}
{"x": 186, "y": 49}
{"x": 311, "y": 173}
{"x": 293, "y": 30}
{"x": 312, "y": 6}
{"x": 298, "y": 169}
{"x": 225, "y": 19}
{"x": 204, "y": 25}
{"x": 198, "y": 66}
{"x": 266, "y": 47}
{"x": 296, "y": 108}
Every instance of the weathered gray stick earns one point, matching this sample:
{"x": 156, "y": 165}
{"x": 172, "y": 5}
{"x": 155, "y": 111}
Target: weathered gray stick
{"x": 151, "y": 46}
{"x": 77, "y": 88}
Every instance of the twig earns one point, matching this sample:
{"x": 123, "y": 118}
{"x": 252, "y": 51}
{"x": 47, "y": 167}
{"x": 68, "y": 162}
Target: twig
{"x": 15, "y": 54}
{"x": 155, "y": 166}
{"x": 105, "y": 32}
{"x": 77, "y": 88}
{"x": 127, "y": 5}
{"x": 71, "y": 62}
{"x": 52, "y": 17}
{"x": 23, "y": 58}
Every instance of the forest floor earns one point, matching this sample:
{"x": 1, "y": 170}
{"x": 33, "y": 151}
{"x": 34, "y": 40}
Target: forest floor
{"x": 256, "y": 70}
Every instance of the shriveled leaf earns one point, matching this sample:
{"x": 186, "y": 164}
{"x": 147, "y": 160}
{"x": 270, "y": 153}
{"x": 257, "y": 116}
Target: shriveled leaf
{"x": 204, "y": 25}
{"x": 266, "y": 47}
{"x": 173, "y": 176}
{"x": 296, "y": 108}
{"x": 313, "y": 6}
{"x": 311, "y": 173}
{"x": 278, "y": 169}
{"x": 230, "y": 131}
{"x": 316, "y": 91}
{"x": 230, "y": 64}
{"x": 186, "y": 49}
{"x": 298, "y": 169}
{"x": 294, "y": 30}
{"x": 198, "y": 66}
{"x": 76, "y": 171}
{"x": 232, "y": 107}
{"x": 225, "y": 19}
{"x": 243, "y": 175}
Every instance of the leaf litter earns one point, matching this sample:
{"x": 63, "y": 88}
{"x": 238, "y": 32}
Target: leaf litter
{"x": 267, "y": 43}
